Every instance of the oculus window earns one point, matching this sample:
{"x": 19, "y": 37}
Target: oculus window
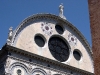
{"x": 77, "y": 54}
{"x": 58, "y": 48}
{"x": 39, "y": 40}
{"x": 59, "y": 29}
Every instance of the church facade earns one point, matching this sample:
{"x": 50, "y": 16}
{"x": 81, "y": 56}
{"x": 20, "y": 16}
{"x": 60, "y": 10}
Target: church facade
{"x": 46, "y": 44}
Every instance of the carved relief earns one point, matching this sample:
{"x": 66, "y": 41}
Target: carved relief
{"x": 46, "y": 28}
{"x": 72, "y": 40}
{"x": 7, "y": 62}
{"x": 18, "y": 69}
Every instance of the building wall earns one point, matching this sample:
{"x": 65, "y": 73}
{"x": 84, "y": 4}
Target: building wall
{"x": 94, "y": 11}
{"x": 19, "y": 62}
{"x": 33, "y": 67}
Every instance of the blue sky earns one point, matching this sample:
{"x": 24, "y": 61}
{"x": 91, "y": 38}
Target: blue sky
{"x": 13, "y": 12}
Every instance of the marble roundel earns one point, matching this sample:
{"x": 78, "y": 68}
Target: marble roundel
{"x": 72, "y": 39}
{"x": 18, "y": 70}
{"x": 46, "y": 28}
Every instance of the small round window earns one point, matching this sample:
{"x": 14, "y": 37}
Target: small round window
{"x": 77, "y": 54}
{"x": 59, "y": 29}
{"x": 39, "y": 40}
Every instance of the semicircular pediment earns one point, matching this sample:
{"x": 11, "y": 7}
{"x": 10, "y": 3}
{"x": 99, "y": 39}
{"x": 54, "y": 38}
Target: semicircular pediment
{"x": 49, "y": 35}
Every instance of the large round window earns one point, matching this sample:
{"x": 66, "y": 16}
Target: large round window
{"x": 77, "y": 54}
{"x": 39, "y": 40}
{"x": 58, "y": 48}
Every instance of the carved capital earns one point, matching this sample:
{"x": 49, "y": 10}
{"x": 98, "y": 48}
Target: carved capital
{"x": 7, "y": 63}
{"x": 30, "y": 67}
{"x": 49, "y": 72}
